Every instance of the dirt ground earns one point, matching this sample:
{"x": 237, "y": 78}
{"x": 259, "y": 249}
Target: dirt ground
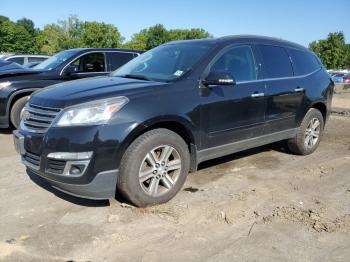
{"x": 259, "y": 205}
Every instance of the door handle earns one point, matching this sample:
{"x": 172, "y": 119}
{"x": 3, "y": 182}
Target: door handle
{"x": 257, "y": 94}
{"x": 300, "y": 89}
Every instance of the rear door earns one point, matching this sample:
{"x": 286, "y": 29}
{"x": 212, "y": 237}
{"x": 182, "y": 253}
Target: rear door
{"x": 117, "y": 59}
{"x": 284, "y": 96}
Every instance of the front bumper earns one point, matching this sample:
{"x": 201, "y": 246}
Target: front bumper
{"x": 97, "y": 181}
{"x": 103, "y": 186}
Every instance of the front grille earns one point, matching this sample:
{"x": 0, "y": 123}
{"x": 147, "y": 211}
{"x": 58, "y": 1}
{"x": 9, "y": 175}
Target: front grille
{"x": 55, "y": 166}
{"x": 32, "y": 160}
{"x": 38, "y": 118}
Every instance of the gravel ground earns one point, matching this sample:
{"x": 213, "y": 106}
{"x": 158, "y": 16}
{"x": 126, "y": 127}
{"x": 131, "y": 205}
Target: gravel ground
{"x": 259, "y": 205}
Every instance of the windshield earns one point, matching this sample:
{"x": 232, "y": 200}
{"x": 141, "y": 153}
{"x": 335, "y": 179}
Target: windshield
{"x": 55, "y": 60}
{"x": 165, "y": 63}
{"x": 3, "y": 62}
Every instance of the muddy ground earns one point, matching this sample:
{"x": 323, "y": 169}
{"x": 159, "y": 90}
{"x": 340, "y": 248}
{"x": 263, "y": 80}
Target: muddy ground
{"x": 259, "y": 205}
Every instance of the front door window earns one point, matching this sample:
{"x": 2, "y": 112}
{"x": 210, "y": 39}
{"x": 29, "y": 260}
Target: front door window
{"x": 90, "y": 63}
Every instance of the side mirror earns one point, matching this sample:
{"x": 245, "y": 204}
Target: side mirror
{"x": 70, "y": 70}
{"x": 219, "y": 78}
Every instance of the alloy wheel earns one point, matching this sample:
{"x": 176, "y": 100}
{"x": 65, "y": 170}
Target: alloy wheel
{"x": 312, "y": 133}
{"x": 159, "y": 170}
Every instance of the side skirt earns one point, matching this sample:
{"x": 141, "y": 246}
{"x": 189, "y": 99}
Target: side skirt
{"x": 215, "y": 152}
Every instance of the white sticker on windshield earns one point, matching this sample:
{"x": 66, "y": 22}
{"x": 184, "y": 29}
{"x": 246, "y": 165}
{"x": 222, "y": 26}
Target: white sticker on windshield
{"x": 178, "y": 73}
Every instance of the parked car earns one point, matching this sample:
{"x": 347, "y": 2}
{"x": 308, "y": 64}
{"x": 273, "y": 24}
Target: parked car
{"x": 338, "y": 78}
{"x": 16, "y": 86}
{"x": 7, "y": 66}
{"x": 25, "y": 59}
{"x": 141, "y": 129}
{"x": 346, "y": 79}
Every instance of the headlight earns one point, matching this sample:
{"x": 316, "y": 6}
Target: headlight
{"x": 96, "y": 112}
{"x": 5, "y": 84}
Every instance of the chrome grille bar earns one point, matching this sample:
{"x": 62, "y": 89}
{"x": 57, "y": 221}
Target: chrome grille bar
{"x": 39, "y": 118}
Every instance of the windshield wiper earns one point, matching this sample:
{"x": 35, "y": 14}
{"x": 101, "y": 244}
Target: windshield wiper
{"x": 134, "y": 76}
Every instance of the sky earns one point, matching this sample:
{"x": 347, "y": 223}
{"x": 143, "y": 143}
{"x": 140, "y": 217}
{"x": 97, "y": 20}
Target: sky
{"x": 300, "y": 21}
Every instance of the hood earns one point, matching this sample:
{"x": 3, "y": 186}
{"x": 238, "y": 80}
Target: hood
{"x": 85, "y": 90}
{"x": 12, "y": 69}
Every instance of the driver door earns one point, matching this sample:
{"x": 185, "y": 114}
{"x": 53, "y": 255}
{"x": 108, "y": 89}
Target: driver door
{"x": 236, "y": 112}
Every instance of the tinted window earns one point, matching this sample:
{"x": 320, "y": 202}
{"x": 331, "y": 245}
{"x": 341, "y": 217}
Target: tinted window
{"x": 36, "y": 59}
{"x": 118, "y": 59}
{"x": 238, "y": 61}
{"x": 276, "y": 61}
{"x": 18, "y": 60}
{"x": 303, "y": 62}
{"x": 93, "y": 62}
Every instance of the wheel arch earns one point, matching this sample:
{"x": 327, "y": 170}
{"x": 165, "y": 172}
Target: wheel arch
{"x": 322, "y": 108}
{"x": 17, "y": 95}
{"x": 180, "y": 126}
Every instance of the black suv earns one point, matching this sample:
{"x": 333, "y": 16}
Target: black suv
{"x": 17, "y": 85}
{"x": 143, "y": 128}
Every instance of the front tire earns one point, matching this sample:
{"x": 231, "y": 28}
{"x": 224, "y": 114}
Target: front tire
{"x": 309, "y": 133}
{"x": 15, "y": 114}
{"x": 153, "y": 168}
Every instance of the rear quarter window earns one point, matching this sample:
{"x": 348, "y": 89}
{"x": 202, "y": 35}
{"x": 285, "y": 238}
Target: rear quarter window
{"x": 276, "y": 61}
{"x": 117, "y": 59}
{"x": 303, "y": 62}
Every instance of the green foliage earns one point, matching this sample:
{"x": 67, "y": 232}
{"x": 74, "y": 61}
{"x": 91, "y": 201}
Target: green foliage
{"x": 138, "y": 41}
{"x": 101, "y": 35}
{"x": 158, "y": 34}
{"x": 185, "y": 34}
{"x": 28, "y": 25}
{"x": 333, "y": 51}
{"x": 23, "y": 37}
{"x": 17, "y": 37}
{"x": 52, "y": 39}
{"x": 73, "y": 33}
{"x": 347, "y": 57}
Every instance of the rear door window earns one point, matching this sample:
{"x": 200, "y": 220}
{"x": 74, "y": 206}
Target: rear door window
{"x": 276, "y": 61}
{"x": 36, "y": 59}
{"x": 303, "y": 62}
{"x": 239, "y": 62}
{"x": 117, "y": 59}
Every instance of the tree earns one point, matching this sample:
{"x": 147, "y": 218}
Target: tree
{"x": 23, "y": 37}
{"x": 97, "y": 35}
{"x": 347, "y": 57}
{"x": 28, "y": 25}
{"x": 138, "y": 41}
{"x": 333, "y": 51}
{"x": 15, "y": 38}
{"x": 158, "y": 34}
{"x": 51, "y": 39}
{"x": 185, "y": 34}
{"x": 73, "y": 33}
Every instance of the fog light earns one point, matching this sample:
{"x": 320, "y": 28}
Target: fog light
{"x": 76, "y": 169}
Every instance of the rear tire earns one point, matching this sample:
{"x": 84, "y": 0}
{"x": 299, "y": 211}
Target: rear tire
{"x": 15, "y": 114}
{"x": 153, "y": 168}
{"x": 309, "y": 133}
